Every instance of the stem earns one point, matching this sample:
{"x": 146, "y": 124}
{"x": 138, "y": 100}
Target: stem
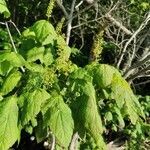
{"x": 73, "y": 145}
{"x": 12, "y": 42}
{"x": 53, "y": 142}
{"x": 15, "y": 27}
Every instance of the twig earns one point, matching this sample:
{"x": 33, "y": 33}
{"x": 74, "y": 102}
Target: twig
{"x": 132, "y": 56}
{"x": 78, "y": 5}
{"x": 12, "y": 42}
{"x": 79, "y": 22}
{"x": 15, "y": 27}
{"x": 62, "y": 8}
{"x": 85, "y": 9}
{"x": 144, "y": 23}
{"x": 118, "y": 24}
{"x": 69, "y": 27}
{"x": 94, "y": 20}
{"x": 142, "y": 39}
{"x": 136, "y": 65}
{"x": 2, "y": 23}
{"x": 145, "y": 54}
{"x": 136, "y": 75}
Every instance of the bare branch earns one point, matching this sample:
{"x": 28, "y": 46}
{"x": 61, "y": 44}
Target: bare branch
{"x": 62, "y": 8}
{"x": 69, "y": 27}
{"x": 86, "y": 22}
{"x": 2, "y": 23}
{"x": 143, "y": 25}
{"x": 118, "y": 24}
{"x": 132, "y": 56}
{"x": 136, "y": 65}
{"x": 136, "y": 75}
{"x": 141, "y": 83}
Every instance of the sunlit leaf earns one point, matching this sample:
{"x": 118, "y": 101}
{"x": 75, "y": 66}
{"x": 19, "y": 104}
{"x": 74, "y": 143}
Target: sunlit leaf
{"x": 31, "y": 104}
{"x": 3, "y": 9}
{"x": 58, "y": 117}
{"x": 8, "y": 122}
{"x": 10, "y": 82}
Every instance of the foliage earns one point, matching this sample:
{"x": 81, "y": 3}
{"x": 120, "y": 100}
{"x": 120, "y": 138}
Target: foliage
{"x": 42, "y": 90}
{"x": 139, "y": 133}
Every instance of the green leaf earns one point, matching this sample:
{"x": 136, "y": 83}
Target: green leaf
{"x": 50, "y": 39}
{"x": 35, "y": 53}
{"x": 13, "y": 58}
{"x": 102, "y": 74}
{"x": 10, "y": 82}
{"x": 8, "y": 122}
{"x": 28, "y": 33}
{"x": 3, "y": 9}
{"x": 109, "y": 116}
{"x": 59, "y": 118}
{"x": 125, "y": 98}
{"x": 85, "y": 110}
{"x": 81, "y": 73}
{"x": 42, "y": 30}
{"x": 40, "y": 53}
{"x": 41, "y": 132}
{"x": 5, "y": 67}
{"x": 31, "y": 104}
{"x": 35, "y": 67}
{"x": 48, "y": 58}
{"x": 108, "y": 78}
{"x": 119, "y": 117}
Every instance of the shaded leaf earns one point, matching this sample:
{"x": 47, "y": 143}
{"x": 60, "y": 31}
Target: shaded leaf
{"x": 41, "y": 131}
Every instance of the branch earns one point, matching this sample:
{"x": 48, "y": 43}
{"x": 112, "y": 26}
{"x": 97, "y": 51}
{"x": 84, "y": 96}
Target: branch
{"x": 141, "y": 83}
{"x": 74, "y": 141}
{"x": 2, "y": 23}
{"x": 144, "y": 23}
{"x": 78, "y": 5}
{"x": 86, "y": 22}
{"x": 118, "y": 24}
{"x": 79, "y": 22}
{"x": 136, "y": 65}
{"x": 62, "y": 8}
{"x": 69, "y": 27}
{"x": 129, "y": 62}
{"x": 136, "y": 75}
{"x": 85, "y": 9}
{"x": 142, "y": 39}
